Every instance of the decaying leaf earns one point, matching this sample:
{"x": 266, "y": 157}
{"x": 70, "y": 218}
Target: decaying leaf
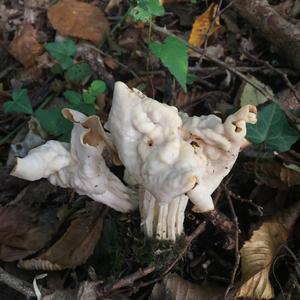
{"x": 258, "y": 253}
{"x": 204, "y": 27}
{"x": 250, "y": 95}
{"x": 26, "y": 227}
{"x": 78, "y": 19}
{"x": 10, "y": 186}
{"x": 75, "y": 246}
{"x": 173, "y": 287}
{"x": 25, "y": 48}
{"x": 275, "y": 174}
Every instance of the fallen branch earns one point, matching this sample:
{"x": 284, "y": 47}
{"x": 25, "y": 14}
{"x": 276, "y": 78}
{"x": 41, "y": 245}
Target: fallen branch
{"x": 188, "y": 240}
{"x": 236, "y": 250}
{"x": 16, "y": 284}
{"x": 127, "y": 281}
{"x": 279, "y": 32}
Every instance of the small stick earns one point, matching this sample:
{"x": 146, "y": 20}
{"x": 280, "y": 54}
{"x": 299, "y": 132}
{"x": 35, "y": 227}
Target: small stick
{"x": 188, "y": 240}
{"x": 217, "y": 61}
{"x": 249, "y": 201}
{"x": 281, "y": 73}
{"x": 16, "y": 284}
{"x": 126, "y": 281}
{"x": 237, "y": 253}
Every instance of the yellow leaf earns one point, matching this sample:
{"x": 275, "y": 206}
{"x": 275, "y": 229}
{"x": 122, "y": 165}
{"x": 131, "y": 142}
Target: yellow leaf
{"x": 203, "y": 26}
{"x": 258, "y": 253}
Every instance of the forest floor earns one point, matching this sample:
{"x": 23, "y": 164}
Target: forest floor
{"x": 55, "y": 244}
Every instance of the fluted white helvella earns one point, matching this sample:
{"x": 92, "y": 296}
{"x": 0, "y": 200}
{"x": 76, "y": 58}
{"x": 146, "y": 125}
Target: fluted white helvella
{"x": 79, "y": 165}
{"x": 172, "y": 156}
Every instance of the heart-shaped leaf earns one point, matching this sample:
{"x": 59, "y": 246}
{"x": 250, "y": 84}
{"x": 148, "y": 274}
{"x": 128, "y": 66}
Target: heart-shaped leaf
{"x": 173, "y": 54}
{"x": 20, "y": 102}
{"x": 273, "y": 129}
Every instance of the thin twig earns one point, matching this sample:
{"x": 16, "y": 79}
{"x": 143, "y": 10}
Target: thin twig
{"x": 217, "y": 61}
{"x": 126, "y": 281}
{"x": 281, "y": 73}
{"x": 130, "y": 279}
{"x": 211, "y": 25}
{"x": 249, "y": 201}
{"x": 237, "y": 253}
{"x": 188, "y": 240}
{"x": 16, "y": 284}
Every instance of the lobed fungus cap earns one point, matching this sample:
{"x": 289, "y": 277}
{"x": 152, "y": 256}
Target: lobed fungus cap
{"x": 171, "y": 154}
{"x": 79, "y": 165}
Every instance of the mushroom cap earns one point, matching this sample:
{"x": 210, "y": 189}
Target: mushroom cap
{"x": 147, "y": 136}
{"x": 79, "y": 165}
{"x": 170, "y": 153}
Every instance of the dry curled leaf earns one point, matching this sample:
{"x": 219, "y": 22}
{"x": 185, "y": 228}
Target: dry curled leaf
{"x": 75, "y": 246}
{"x": 258, "y": 253}
{"x": 78, "y": 19}
{"x": 204, "y": 26}
{"x": 173, "y": 287}
{"x": 274, "y": 174}
{"x": 25, "y": 48}
{"x": 26, "y": 224}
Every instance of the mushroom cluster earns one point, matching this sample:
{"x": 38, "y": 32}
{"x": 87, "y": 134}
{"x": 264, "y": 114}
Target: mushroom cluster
{"x": 170, "y": 156}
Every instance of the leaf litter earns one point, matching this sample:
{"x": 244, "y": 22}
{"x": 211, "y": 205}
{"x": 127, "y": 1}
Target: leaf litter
{"x": 68, "y": 54}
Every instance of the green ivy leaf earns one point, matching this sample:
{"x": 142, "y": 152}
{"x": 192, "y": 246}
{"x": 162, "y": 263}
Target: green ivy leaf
{"x": 52, "y": 120}
{"x": 62, "y": 52}
{"x": 146, "y": 9}
{"x": 174, "y": 55}
{"x": 73, "y": 97}
{"x": 79, "y": 73}
{"x": 20, "y": 102}
{"x": 273, "y": 129}
{"x": 96, "y": 88}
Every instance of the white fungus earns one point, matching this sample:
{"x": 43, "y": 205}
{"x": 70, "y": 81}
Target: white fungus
{"x": 172, "y": 155}
{"x": 79, "y": 165}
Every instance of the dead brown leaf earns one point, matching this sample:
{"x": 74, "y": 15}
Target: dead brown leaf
{"x": 25, "y": 48}
{"x": 274, "y": 174}
{"x": 27, "y": 227}
{"x": 75, "y": 246}
{"x": 173, "y": 287}
{"x": 78, "y": 19}
{"x": 258, "y": 253}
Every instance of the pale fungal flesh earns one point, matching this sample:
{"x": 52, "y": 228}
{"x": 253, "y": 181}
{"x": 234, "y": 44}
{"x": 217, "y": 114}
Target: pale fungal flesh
{"x": 171, "y": 154}
{"x": 162, "y": 221}
{"x": 79, "y": 165}
{"x": 171, "y": 157}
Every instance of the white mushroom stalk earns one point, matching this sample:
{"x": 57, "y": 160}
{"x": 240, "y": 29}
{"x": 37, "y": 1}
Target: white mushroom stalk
{"x": 163, "y": 221}
{"x": 173, "y": 155}
{"x": 79, "y": 165}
